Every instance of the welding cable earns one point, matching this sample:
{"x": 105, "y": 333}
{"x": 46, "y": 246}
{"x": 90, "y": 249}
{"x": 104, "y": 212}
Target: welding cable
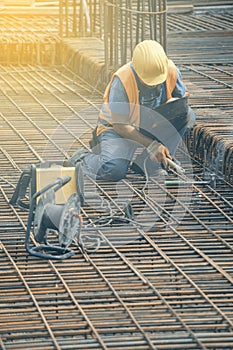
{"x": 164, "y": 216}
{"x": 84, "y": 239}
{"x": 101, "y": 223}
{"x": 63, "y": 253}
{"x": 84, "y": 242}
{"x": 46, "y": 251}
{"x": 54, "y": 252}
{"x": 57, "y": 253}
{"x": 172, "y": 166}
{"x": 146, "y": 175}
{"x": 111, "y": 220}
{"x": 104, "y": 203}
{"x": 114, "y": 218}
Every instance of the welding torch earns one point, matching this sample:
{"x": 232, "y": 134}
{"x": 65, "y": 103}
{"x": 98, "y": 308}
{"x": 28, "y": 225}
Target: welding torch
{"x": 174, "y": 166}
{"x": 181, "y": 171}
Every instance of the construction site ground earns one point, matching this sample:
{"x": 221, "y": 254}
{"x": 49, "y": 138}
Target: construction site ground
{"x": 162, "y": 281}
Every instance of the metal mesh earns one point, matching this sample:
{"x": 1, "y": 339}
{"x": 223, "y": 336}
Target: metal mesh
{"x": 166, "y": 285}
{"x": 169, "y": 286}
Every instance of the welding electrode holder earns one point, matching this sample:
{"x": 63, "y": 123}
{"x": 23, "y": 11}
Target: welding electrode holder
{"x": 209, "y": 179}
{"x": 45, "y": 214}
{"x": 173, "y": 165}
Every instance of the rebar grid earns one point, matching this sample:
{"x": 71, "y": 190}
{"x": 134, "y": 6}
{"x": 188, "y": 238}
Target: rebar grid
{"x": 199, "y": 22}
{"x": 212, "y": 140}
{"x": 165, "y": 285}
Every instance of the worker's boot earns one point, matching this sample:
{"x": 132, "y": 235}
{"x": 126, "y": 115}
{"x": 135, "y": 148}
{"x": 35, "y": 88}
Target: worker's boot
{"x": 78, "y": 155}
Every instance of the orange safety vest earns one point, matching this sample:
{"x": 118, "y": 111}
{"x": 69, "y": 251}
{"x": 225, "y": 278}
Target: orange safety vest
{"x": 128, "y": 80}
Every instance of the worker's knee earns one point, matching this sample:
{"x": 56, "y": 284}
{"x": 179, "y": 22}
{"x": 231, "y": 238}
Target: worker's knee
{"x": 113, "y": 170}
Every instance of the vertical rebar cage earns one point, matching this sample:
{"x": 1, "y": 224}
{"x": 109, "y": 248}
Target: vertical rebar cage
{"x": 121, "y": 24}
{"x": 80, "y": 18}
{"x": 128, "y": 22}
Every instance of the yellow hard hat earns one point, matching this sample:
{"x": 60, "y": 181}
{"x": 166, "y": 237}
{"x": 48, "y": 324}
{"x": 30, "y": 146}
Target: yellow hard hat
{"x": 150, "y": 62}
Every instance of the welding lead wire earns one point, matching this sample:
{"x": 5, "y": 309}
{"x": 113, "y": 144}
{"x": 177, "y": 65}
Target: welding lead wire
{"x": 55, "y": 342}
{"x": 92, "y": 328}
{"x": 195, "y": 186}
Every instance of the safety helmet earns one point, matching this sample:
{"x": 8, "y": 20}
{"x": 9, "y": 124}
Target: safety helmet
{"x": 150, "y": 62}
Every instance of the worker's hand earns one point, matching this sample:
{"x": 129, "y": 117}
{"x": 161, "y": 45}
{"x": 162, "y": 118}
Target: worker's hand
{"x": 159, "y": 152}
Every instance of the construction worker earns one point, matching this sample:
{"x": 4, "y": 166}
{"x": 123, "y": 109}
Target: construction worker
{"x": 135, "y": 92}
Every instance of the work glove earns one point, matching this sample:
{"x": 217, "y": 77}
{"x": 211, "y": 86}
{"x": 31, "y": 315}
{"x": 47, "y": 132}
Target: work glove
{"x": 159, "y": 152}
